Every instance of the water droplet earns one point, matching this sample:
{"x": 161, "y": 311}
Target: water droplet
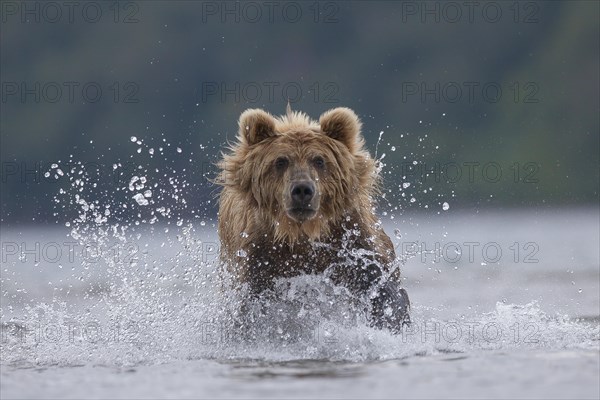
{"x": 139, "y": 198}
{"x": 445, "y": 206}
{"x": 133, "y": 139}
{"x": 133, "y": 180}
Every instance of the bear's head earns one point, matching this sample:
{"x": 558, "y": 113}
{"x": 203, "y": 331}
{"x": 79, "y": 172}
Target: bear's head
{"x": 298, "y": 176}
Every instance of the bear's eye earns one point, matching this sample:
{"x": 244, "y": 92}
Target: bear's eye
{"x": 281, "y": 163}
{"x": 319, "y": 162}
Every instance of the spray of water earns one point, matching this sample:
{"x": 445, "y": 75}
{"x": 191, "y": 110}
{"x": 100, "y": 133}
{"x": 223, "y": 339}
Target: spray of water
{"x": 160, "y": 297}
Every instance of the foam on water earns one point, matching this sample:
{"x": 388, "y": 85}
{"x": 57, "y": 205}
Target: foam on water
{"x": 154, "y": 311}
{"x": 145, "y": 324}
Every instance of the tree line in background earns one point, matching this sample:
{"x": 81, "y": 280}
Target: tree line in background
{"x": 475, "y": 111}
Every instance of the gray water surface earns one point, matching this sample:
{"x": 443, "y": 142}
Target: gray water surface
{"x": 505, "y": 304}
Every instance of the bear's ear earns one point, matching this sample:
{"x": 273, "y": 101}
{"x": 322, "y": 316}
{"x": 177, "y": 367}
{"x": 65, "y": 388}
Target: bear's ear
{"x": 256, "y": 125}
{"x": 342, "y": 124}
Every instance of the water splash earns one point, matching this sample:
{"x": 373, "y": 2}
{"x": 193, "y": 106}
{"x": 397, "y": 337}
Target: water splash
{"x": 150, "y": 309}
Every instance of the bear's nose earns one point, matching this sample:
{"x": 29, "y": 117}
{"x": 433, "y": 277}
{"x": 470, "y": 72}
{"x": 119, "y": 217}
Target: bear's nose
{"x": 302, "y": 193}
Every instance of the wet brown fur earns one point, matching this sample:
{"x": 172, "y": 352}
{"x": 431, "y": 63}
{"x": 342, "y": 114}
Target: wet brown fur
{"x": 259, "y": 240}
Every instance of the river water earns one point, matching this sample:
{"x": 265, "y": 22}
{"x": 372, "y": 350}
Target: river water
{"x": 505, "y": 304}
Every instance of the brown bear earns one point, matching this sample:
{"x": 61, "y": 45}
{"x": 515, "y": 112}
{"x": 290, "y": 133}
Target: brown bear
{"x": 298, "y": 197}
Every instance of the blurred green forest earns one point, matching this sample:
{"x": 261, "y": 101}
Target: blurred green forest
{"x": 178, "y": 74}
